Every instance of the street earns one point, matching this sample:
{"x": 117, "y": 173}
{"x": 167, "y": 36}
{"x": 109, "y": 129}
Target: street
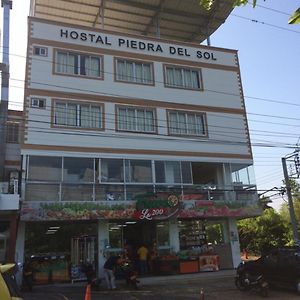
{"x": 215, "y": 285}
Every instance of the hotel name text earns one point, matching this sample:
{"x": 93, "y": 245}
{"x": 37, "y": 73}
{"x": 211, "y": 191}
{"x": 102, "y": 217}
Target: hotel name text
{"x": 145, "y": 46}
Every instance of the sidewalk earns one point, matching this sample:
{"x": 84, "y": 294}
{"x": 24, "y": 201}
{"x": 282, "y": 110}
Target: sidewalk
{"x": 187, "y": 277}
{"x": 217, "y": 285}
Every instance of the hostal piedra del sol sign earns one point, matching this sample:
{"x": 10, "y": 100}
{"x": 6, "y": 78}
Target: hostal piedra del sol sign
{"x": 145, "y": 46}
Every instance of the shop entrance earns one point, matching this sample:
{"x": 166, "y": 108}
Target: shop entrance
{"x": 140, "y": 233}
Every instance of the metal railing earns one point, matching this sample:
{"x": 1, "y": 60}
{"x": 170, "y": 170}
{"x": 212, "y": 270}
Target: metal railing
{"x": 38, "y": 191}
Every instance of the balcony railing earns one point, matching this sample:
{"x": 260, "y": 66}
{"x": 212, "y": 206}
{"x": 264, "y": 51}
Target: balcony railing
{"x": 9, "y": 197}
{"x": 37, "y": 191}
{"x": 9, "y": 187}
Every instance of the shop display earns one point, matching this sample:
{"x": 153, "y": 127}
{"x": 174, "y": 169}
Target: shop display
{"x": 192, "y": 235}
{"x": 83, "y": 254}
{"x": 209, "y": 263}
{"x": 189, "y": 266}
{"x": 49, "y": 268}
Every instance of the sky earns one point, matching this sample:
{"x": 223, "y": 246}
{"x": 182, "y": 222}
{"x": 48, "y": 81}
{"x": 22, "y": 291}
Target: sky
{"x": 269, "y": 56}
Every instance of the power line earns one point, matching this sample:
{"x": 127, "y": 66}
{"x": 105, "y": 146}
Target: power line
{"x": 235, "y": 134}
{"x": 264, "y": 23}
{"x": 156, "y": 81}
{"x": 274, "y": 10}
{"x": 112, "y": 121}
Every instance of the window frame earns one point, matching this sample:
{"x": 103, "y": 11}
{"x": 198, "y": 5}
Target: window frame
{"x": 39, "y": 48}
{"x": 186, "y": 113}
{"x": 78, "y": 54}
{"x": 39, "y": 100}
{"x": 183, "y": 67}
{"x": 12, "y": 137}
{"x": 136, "y": 108}
{"x": 150, "y": 63}
{"x": 78, "y": 114}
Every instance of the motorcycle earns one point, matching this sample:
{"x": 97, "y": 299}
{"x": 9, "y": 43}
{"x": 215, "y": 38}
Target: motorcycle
{"x": 245, "y": 281}
{"x": 130, "y": 274}
{"x": 91, "y": 276}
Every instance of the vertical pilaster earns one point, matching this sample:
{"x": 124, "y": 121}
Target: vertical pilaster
{"x": 103, "y": 241}
{"x": 174, "y": 235}
{"x": 20, "y": 245}
{"x": 234, "y": 242}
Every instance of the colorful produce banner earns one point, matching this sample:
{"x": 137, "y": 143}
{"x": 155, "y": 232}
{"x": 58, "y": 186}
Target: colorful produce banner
{"x": 144, "y": 208}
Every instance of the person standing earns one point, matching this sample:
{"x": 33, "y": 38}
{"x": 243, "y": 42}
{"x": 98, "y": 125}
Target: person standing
{"x": 28, "y": 275}
{"x": 143, "y": 256}
{"x": 109, "y": 270}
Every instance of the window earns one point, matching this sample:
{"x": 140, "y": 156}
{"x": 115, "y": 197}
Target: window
{"x": 173, "y": 172}
{"x": 112, "y": 170}
{"x": 38, "y": 103}
{"x": 78, "y": 64}
{"x": 12, "y": 134}
{"x": 78, "y": 115}
{"x": 78, "y": 169}
{"x": 183, "y": 123}
{"x": 45, "y": 168}
{"x": 132, "y": 71}
{"x": 138, "y": 171}
{"x": 136, "y": 119}
{"x": 40, "y": 51}
{"x": 178, "y": 77}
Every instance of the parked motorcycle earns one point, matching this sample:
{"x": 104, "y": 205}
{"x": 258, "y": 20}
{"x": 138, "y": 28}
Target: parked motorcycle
{"x": 91, "y": 276}
{"x": 130, "y": 274}
{"x": 245, "y": 281}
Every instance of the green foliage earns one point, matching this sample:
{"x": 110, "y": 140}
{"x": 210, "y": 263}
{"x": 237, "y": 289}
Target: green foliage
{"x": 263, "y": 233}
{"x": 214, "y": 233}
{"x": 207, "y": 4}
{"x": 295, "y": 18}
{"x": 284, "y": 210}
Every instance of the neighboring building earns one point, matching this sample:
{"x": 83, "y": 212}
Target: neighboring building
{"x": 143, "y": 139}
{"x": 9, "y": 189}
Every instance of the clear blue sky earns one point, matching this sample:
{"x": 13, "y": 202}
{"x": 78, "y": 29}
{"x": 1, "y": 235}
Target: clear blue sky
{"x": 269, "y": 55}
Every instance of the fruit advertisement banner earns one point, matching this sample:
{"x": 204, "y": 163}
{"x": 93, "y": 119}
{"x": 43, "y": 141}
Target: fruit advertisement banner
{"x": 126, "y": 210}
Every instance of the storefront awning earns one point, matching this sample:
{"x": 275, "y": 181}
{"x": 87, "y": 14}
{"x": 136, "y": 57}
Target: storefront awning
{"x": 178, "y": 20}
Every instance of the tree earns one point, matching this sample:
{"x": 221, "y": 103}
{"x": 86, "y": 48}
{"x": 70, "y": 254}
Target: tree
{"x": 259, "y": 235}
{"x": 207, "y": 4}
{"x": 284, "y": 210}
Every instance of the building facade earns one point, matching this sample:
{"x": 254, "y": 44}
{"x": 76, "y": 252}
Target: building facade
{"x": 9, "y": 187}
{"x": 144, "y": 140}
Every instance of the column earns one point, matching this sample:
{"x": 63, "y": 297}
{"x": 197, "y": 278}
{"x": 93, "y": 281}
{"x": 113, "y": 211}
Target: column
{"x": 174, "y": 236}
{"x": 20, "y": 245}
{"x": 103, "y": 241}
{"x": 234, "y": 242}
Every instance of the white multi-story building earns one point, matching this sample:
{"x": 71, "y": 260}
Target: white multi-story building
{"x": 146, "y": 139}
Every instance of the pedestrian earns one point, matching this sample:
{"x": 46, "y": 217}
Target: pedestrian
{"x": 143, "y": 259}
{"x": 28, "y": 275}
{"x": 109, "y": 270}
{"x": 245, "y": 252}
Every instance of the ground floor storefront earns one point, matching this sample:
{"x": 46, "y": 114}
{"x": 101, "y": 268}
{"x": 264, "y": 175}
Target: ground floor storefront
{"x": 8, "y": 229}
{"x": 59, "y": 251}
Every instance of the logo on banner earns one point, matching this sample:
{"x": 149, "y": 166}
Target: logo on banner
{"x": 157, "y": 208}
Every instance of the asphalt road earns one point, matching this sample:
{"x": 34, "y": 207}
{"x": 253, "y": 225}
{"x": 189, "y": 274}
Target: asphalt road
{"x": 215, "y": 285}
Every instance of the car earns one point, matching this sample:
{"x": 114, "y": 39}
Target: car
{"x": 8, "y": 287}
{"x": 281, "y": 267}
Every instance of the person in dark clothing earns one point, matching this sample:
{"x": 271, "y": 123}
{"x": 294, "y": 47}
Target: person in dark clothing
{"x": 109, "y": 270}
{"x": 28, "y": 276}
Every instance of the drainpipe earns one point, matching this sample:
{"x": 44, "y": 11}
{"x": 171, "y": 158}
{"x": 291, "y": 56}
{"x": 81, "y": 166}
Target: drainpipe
{"x": 4, "y": 68}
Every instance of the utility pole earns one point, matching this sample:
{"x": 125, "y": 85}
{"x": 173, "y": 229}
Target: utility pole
{"x": 294, "y": 155}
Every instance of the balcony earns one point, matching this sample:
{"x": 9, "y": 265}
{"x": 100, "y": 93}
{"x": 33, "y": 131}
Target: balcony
{"x": 38, "y": 191}
{"x": 9, "y": 197}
